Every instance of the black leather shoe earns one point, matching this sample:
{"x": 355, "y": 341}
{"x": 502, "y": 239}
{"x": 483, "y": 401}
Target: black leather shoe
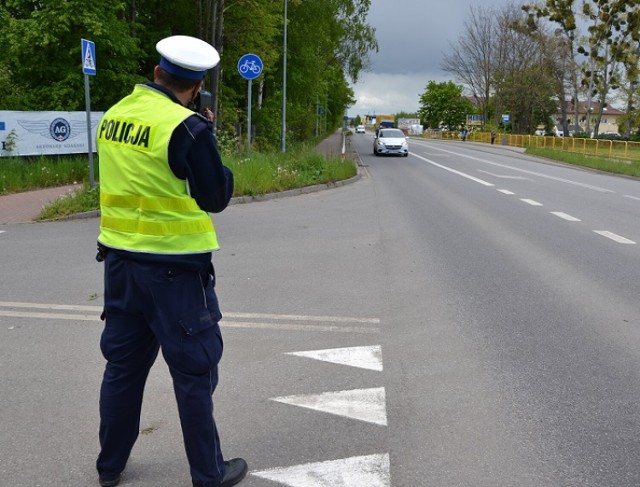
{"x": 234, "y": 471}
{"x": 108, "y": 481}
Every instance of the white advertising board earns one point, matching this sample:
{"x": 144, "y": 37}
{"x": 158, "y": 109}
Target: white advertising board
{"x": 46, "y": 133}
{"x": 406, "y": 123}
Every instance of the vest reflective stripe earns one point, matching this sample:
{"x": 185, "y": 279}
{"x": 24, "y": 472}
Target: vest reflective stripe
{"x": 149, "y": 203}
{"x": 144, "y": 206}
{"x": 146, "y": 227}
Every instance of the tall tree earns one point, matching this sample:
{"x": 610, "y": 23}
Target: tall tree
{"x": 524, "y": 74}
{"x": 329, "y": 44}
{"x": 561, "y": 12}
{"x": 442, "y": 105}
{"x": 608, "y": 44}
{"x": 471, "y": 58}
{"x": 42, "y": 60}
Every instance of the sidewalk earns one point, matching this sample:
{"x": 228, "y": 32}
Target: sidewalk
{"x": 25, "y": 207}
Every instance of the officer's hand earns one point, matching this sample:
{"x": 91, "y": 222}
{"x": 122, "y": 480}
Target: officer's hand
{"x": 208, "y": 114}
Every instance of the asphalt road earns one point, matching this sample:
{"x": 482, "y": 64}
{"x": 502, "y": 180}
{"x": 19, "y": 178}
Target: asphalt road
{"x": 450, "y": 319}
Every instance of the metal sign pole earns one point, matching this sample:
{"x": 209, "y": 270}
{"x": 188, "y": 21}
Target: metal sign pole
{"x": 249, "y": 67}
{"x": 87, "y": 101}
{"x": 249, "y": 118}
{"x": 88, "y": 49}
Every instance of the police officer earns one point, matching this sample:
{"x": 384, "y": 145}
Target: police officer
{"x": 160, "y": 176}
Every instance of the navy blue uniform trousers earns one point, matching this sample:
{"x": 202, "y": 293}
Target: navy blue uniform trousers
{"x": 148, "y": 307}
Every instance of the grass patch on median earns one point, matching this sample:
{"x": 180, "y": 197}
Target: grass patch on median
{"x": 261, "y": 173}
{"x": 272, "y": 173}
{"x": 26, "y": 173}
{"x": 600, "y": 163}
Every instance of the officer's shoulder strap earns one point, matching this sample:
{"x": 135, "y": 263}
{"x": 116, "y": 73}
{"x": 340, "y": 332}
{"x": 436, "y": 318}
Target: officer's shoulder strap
{"x": 195, "y": 124}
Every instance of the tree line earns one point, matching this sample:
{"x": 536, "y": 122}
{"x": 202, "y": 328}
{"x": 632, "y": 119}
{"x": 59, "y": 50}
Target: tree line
{"x": 534, "y": 60}
{"x": 328, "y": 44}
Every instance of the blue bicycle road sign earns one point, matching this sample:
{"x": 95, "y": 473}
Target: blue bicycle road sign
{"x": 250, "y": 66}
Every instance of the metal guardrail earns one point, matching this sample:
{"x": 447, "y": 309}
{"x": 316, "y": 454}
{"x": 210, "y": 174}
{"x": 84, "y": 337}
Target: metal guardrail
{"x": 610, "y": 149}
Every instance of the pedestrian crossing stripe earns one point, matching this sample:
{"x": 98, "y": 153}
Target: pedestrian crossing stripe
{"x": 368, "y": 357}
{"x": 363, "y": 471}
{"x": 363, "y": 404}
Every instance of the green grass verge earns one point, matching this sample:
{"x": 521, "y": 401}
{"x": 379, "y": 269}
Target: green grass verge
{"x": 600, "y": 163}
{"x": 26, "y": 173}
{"x": 259, "y": 174}
{"x": 271, "y": 173}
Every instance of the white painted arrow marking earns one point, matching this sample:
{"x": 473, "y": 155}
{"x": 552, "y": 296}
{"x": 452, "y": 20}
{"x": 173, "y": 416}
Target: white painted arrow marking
{"x": 365, "y": 471}
{"x": 363, "y": 357}
{"x": 363, "y": 404}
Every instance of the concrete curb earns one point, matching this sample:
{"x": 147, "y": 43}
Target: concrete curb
{"x": 238, "y": 200}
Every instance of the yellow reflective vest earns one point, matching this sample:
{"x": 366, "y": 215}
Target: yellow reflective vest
{"x": 144, "y": 206}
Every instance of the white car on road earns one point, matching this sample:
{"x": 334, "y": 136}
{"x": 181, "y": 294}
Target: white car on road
{"x": 390, "y": 141}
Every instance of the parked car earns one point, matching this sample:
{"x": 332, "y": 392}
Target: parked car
{"x": 390, "y": 141}
{"x": 360, "y": 129}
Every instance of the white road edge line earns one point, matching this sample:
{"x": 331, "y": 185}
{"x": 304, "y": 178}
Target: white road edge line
{"x": 223, "y": 324}
{"x": 565, "y": 216}
{"x": 294, "y": 327}
{"x": 260, "y": 316}
{"x": 615, "y": 237}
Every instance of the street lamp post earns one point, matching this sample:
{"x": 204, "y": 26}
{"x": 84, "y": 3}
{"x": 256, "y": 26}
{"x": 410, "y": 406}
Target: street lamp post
{"x": 284, "y": 84}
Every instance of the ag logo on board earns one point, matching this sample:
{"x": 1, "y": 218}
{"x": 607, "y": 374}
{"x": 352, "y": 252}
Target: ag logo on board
{"x": 60, "y": 129}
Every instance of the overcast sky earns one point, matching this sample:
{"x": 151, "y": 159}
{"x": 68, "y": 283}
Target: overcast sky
{"x": 412, "y": 36}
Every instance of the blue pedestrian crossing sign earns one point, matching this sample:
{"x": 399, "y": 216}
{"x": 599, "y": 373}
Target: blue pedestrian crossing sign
{"x": 88, "y": 57}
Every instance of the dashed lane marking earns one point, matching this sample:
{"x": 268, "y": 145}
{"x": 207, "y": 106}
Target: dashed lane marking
{"x": 530, "y": 202}
{"x": 565, "y": 216}
{"x": 615, "y": 237}
{"x": 363, "y": 471}
{"x": 367, "y": 357}
{"x": 506, "y": 191}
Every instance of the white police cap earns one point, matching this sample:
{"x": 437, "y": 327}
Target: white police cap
{"x": 187, "y": 57}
